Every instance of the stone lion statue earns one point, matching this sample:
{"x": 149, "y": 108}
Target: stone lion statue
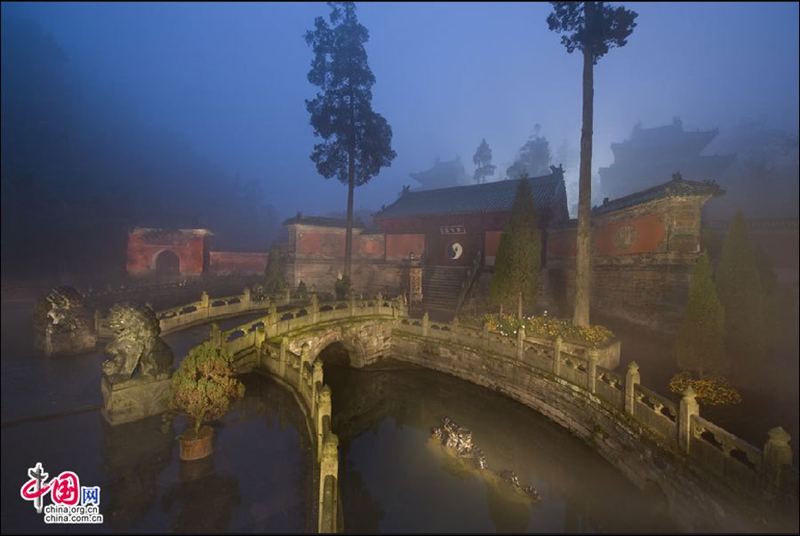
{"x": 136, "y": 346}
{"x": 63, "y": 324}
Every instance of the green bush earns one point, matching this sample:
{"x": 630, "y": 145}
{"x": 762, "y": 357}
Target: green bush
{"x": 205, "y": 384}
{"x": 741, "y": 294}
{"x": 700, "y": 345}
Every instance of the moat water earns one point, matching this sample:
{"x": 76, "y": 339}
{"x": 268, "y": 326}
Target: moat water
{"x": 393, "y": 478}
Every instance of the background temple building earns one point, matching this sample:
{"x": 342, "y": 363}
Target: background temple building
{"x": 644, "y": 245}
{"x": 653, "y": 154}
{"x": 443, "y": 175}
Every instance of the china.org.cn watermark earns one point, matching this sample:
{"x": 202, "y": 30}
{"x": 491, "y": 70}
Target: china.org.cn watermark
{"x": 71, "y": 502}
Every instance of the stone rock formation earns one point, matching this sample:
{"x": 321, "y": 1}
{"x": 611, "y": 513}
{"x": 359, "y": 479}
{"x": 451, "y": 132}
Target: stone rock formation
{"x": 458, "y": 439}
{"x": 63, "y": 325}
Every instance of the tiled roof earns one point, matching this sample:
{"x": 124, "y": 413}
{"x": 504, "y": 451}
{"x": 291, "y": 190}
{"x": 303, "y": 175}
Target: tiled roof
{"x": 776, "y": 223}
{"x": 322, "y": 222}
{"x": 489, "y": 197}
{"x": 675, "y": 187}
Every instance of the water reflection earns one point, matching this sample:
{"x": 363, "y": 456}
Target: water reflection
{"x": 133, "y": 468}
{"x": 206, "y": 499}
{"x": 383, "y": 416}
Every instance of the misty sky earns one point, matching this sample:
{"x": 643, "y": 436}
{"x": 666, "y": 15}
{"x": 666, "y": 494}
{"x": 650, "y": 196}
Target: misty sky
{"x": 231, "y": 78}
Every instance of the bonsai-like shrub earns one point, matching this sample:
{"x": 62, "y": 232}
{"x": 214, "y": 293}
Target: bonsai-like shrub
{"x": 204, "y": 385}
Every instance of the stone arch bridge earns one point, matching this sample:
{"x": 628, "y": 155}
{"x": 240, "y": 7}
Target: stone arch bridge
{"x": 713, "y": 481}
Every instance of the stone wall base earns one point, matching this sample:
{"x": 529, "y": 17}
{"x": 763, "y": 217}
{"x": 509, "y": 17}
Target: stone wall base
{"x": 134, "y": 399}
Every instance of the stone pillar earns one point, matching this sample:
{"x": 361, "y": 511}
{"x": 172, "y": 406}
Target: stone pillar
{"x": 216, "y": 335}
{"x": 317, "y": 379}
{"x": 352, "y": 302}
{"x": 305, "y": 355}
{"x": 557, "y": 356}
{"x": 688, "y": 407}
{"x": 204, "y": 300}
{"x": 426, "y": 324}
{"x": 314, "y": 308}
{"x": 324, "y": 409}
{"x": 777, "y": 453}
{"x": 454, "y": 329}
{"x": 592, "y": 371}
{"x": 246, "y": 298}
{"x": 287, "y": 296}
{"x": 282, "y": 357}
{"x": 520, "y": 343}
{"x": 632, "y": 379}
{"x": 259, "y": 338}
{"x": 329, "y": 466}
{"x": 378, "y": 303}
{"x": 273, "y": 318}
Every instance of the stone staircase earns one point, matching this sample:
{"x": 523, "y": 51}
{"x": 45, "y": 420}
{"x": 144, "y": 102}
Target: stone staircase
{"x": 441, "y": 287}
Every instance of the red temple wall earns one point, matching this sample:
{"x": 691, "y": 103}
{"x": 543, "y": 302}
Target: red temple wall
{"x": 228, "y": 262}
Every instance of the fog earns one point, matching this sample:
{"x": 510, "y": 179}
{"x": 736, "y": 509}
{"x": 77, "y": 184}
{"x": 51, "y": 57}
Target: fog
{"x": 182, "y": 114}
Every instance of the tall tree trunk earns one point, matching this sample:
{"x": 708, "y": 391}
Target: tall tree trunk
{"x": 348, "y": 237}
{"x": 519, "y": 305}
{"x": 583, "y": 256}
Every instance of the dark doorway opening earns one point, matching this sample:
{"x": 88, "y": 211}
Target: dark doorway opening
{"x": 168, "y": 264}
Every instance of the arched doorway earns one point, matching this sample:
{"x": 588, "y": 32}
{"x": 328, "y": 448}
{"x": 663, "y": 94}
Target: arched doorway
{"x": 168, "y": 264}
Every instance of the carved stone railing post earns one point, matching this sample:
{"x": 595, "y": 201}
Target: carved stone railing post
{"x": 688, "y": 407}
{"x": 352, "y": 302}
{"x": 260, "y": 336}
{"x": 246, "y": 298}
{"x": 215, "y": 335}
{"x": 557, "y": 356}
{"x": 305, "y": 357}
{"x": 324, "y": 405}
{"x": 329, "y": 467}
{"x": 273, "y": 318}
{"x": 592, "y": 371}
{"x": 454, "y": 329}
{"x": 378, "y": 303}
{"x": 287, "y": 296}
{"x": 282, "y": 357}
{"x": 204, "y": 299}
{"x": 777, "y": 453}
{"x": 316, "y": 381}
{"x": 520, "y": 343}
{"x": 314, "y": 308}
{"x": 426, "y": 324}
{"x": 632, "y": 379}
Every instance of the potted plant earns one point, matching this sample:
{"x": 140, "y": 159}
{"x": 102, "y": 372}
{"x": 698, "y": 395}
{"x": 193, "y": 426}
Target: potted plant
{"x": 203, "y": 388}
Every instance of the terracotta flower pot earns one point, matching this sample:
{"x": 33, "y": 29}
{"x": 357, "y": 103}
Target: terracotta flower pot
{"x": 195, "y": 447}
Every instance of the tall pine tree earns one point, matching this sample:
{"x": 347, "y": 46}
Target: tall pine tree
{"x": 740, "y": 292}
{"x": 700, "y": 347}
{"x": 518, "y": 260}
{"x": 357, "y": 142}
{"x": 593, "y": 28}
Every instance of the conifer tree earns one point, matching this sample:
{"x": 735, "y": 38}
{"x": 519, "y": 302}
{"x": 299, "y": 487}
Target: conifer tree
{"x": 700, "y": 344}
{"x": 516, "y": 268}
{"x": 356, "y": 140}
{"x": 273, "y": 275}
{"x": 742, "y": 296}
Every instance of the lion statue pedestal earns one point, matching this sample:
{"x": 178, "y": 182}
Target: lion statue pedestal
{"x": 137, "y": 381}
